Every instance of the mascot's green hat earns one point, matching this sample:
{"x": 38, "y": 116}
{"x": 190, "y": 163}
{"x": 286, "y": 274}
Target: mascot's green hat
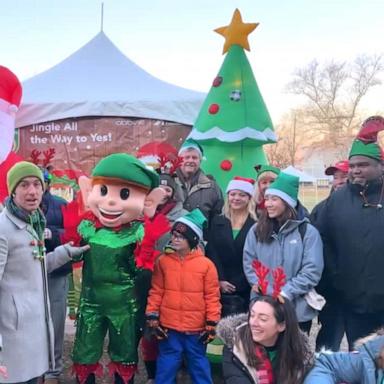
{"x": 365, "y": 143}
{"x": 122, "y": 167}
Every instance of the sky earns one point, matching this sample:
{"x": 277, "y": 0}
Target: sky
{"x": 174, "y": 39}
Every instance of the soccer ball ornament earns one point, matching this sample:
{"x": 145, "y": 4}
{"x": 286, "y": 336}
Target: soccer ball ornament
{"x": 235, "y": 95}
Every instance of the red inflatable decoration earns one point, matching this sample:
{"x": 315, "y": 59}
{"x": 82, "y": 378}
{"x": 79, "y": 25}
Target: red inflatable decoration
{"x": 12, "y": 159}
{"x": 10, "y": 97}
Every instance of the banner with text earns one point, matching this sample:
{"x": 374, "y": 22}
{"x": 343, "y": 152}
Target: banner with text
{"x": 81, "y": 142}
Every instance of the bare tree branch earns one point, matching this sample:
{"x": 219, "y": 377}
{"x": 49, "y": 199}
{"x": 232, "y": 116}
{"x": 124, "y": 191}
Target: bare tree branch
{"x": 333, "y": 94}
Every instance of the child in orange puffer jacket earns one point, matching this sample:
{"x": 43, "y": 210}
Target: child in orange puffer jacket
{"x": 184, "y": 303}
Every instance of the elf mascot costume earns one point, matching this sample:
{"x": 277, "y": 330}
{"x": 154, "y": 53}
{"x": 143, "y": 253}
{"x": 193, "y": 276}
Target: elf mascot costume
{"x": 121, "y": 196}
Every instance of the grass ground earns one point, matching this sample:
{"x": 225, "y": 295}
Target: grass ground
{"x": 311, "y": 195}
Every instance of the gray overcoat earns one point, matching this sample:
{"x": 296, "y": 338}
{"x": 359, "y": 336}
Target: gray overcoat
{"x": 26, "y": 337}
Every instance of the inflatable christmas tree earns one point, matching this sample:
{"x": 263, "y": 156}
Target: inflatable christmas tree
{"x": 234, "y": 122}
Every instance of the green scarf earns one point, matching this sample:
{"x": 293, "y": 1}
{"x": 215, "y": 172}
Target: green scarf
{"x": 36, "y": 218}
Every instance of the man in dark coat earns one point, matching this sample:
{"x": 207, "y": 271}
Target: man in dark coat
{"x": 58, "y": 282}
{"x": 352, "y": 224}
{"x": 330, "y": 317}
{"x": 198, "y": 191}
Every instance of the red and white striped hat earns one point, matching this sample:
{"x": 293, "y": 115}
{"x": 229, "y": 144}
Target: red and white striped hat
{"x": 242, "y": 184}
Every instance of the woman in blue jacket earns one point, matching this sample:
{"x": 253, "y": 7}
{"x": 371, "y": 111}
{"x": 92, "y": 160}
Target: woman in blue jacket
{"x": 282, "y": 239}
{"x": 363, "y": 366}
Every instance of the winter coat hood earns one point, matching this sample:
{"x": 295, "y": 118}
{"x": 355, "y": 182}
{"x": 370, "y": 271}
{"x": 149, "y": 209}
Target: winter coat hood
{"x": 370, "y": 348}
{"x": 359, "y": 366}
{"x": 227, "y": 328}
{"x": 227, "y": 331}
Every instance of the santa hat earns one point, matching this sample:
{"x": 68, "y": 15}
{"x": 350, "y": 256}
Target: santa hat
{"x": 286, "y": 187}
{"x": 10, "y": 97}
{"x": 191, "y": 226}
{"x": 242, "y": 184}
{"x": 365, "y": 143}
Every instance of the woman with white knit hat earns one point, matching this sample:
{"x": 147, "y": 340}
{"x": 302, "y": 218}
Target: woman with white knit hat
{"x": 281, "y": 239}
{"x": 226, "y": 239}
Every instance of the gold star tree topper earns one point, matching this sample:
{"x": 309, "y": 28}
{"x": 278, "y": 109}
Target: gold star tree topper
{"x": 236, "y": 32}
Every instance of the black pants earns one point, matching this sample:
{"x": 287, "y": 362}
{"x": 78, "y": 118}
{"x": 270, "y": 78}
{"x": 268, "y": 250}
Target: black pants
{"x": 332, "y": 329}
{"x": 360, "y": 325}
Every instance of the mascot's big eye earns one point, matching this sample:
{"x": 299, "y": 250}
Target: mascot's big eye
{"x": 124, "y": 194}
{"x": 103, "y": 190}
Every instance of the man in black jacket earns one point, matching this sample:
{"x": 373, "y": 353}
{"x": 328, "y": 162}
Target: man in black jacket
{"x": 352, "y": 226}
{"x": 331, "y": 316}
{"x": 58, "y": 279}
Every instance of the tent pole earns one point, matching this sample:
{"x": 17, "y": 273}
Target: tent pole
{"x": 102, "y": 16}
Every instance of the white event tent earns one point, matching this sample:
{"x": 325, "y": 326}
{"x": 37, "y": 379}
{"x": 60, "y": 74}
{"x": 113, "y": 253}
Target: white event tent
{"x": 304, "y": 177}
{"x": 99, "y": 80}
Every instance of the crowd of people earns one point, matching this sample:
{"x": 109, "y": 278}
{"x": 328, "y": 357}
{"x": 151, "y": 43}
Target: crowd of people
{"x": 250, "y": 271}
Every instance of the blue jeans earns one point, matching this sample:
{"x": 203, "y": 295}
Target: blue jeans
{"x": 171, "y": 352}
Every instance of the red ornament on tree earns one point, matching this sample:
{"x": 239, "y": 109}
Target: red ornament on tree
{"x": 226, "y": 165}
{"x": 213, "y": 109}
{"x": 217, "y": 81}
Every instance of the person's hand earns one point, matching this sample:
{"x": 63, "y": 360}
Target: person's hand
{"x": 227, "y": 287}
{"x": 3, "y": 371}
{"x": 154, "y": 328}
{"x": 209, "y": 332}
{"x": 47, "y": 234}
{"x": 75, "y": 251}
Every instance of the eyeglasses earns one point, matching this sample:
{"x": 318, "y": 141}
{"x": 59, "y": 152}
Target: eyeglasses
{"x": 177, "y": 236}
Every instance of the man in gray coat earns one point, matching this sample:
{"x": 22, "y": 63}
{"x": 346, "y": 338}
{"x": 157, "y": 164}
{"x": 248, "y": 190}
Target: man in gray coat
{"x": 26, "y": 338}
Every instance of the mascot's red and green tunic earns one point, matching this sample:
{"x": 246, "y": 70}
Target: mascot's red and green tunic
{"x": 121, "y": 195}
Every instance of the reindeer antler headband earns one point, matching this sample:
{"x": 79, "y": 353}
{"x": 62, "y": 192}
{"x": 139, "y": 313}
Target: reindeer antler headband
{"x": 48, "y": 156}
{"x": 278, "y": 275}
{"x": 168, "y": 163}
